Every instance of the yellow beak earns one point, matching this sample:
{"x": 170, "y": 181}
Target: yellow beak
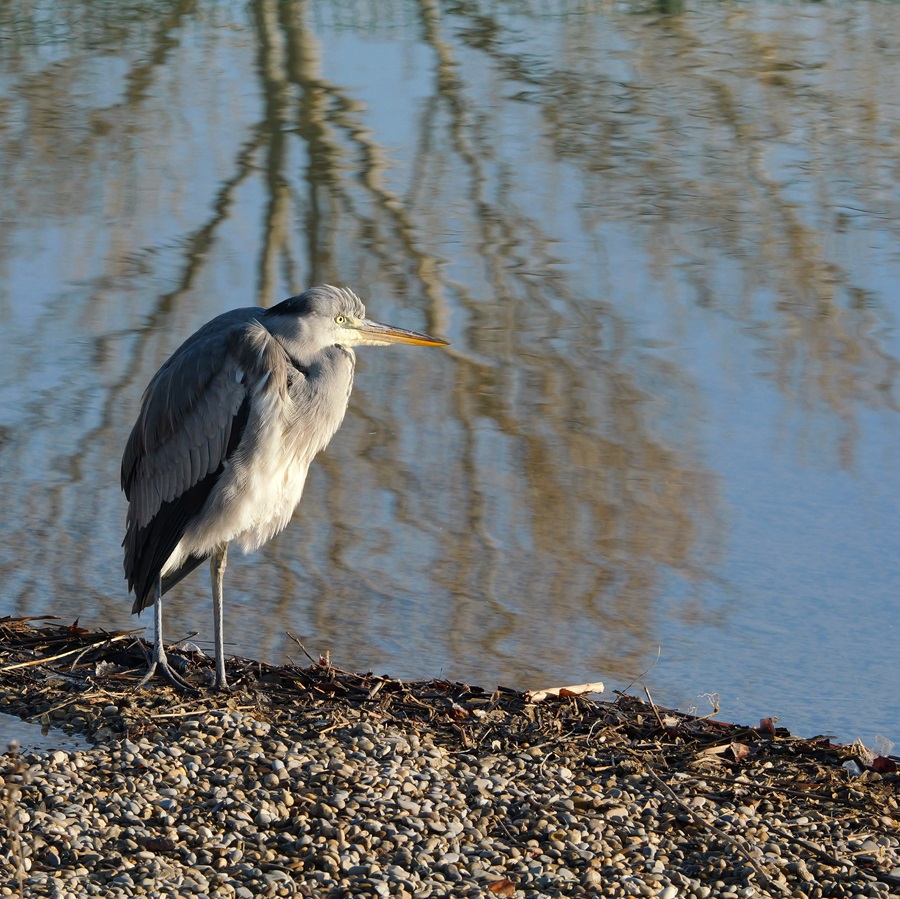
{"x": 377, "y": 334}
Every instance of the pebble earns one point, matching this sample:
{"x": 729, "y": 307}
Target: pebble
{"x": 225, "y": 804}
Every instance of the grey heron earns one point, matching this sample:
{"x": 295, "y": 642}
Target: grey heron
{"x": 226, "y": 432}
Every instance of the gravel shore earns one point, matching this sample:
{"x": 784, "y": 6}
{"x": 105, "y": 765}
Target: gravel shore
{"x": 317, "y": 782}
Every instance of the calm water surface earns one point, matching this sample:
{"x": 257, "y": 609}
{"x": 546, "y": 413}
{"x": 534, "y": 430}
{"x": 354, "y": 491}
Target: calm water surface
{"x": 663, "y": 241}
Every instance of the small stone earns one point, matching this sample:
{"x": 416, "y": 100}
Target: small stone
{"x": 347, "y": 800}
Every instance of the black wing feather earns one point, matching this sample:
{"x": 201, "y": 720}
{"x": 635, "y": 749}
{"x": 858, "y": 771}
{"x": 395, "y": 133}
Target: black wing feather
{"x": 193, "y": 416}
{"x": 156, "y": 541}
{"x": 196, "y": 497}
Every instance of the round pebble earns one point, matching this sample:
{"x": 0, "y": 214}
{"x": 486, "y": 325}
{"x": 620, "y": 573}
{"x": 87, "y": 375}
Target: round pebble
{"x": 226, "y": 804}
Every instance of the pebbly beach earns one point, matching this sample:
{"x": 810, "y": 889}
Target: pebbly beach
{"x": 312, "y": 781}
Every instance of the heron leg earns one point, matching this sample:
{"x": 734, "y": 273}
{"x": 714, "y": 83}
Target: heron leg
{"x": 217, "y": 562}
{"x": 159, "y": 658}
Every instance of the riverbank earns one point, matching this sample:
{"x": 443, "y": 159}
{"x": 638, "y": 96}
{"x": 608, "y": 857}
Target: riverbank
{"x": 318, "y": 782}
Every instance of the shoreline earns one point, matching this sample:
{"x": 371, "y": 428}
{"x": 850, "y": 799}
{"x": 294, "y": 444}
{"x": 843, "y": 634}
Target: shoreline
{"x": 320, "y": 782}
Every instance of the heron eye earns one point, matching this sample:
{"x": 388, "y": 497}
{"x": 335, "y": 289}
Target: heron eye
{"x": 340, "y": 319}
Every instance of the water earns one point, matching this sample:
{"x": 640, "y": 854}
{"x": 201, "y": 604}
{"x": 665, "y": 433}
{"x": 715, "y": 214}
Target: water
{"x": 27, "y": 735}
{"x": 663, "y": 242}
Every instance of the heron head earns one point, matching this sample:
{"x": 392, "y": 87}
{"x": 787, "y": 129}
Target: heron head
{"x": 325, "y": 316}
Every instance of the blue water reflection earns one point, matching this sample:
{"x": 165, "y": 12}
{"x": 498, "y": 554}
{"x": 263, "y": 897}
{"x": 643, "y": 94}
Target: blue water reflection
{"x": 663, "y": 248}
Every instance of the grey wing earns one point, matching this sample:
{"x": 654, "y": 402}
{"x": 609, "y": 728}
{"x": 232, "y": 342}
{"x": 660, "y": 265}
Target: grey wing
{"x": 193, "y": 416}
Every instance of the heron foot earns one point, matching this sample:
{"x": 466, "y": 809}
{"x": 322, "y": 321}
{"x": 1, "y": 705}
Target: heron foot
{"x": 161, "y": 662}
{"x": 216, "y": 681}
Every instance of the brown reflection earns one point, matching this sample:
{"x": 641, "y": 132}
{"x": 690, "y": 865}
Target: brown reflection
{"x": 608, "y": 503}
{"x": 536, "y": 486}
{"x": 731, "y": 194}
